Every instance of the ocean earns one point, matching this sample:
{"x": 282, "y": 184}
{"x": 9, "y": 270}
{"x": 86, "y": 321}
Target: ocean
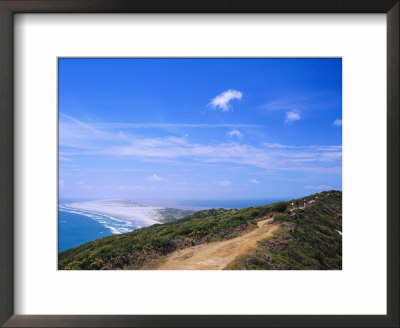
{"x": 76, "y": 227}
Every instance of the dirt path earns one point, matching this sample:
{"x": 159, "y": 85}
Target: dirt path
{"x": 215, "y": 256}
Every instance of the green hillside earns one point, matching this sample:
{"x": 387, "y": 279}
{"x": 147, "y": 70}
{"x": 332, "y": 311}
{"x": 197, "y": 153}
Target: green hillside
{"x": 308, "y": 239}
{"x": 305, "y": 239}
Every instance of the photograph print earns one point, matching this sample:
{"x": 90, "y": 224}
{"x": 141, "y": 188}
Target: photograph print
{"x": 199, "y": 164}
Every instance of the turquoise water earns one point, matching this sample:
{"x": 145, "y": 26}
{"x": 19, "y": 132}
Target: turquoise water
{"x": 76, "y": 227}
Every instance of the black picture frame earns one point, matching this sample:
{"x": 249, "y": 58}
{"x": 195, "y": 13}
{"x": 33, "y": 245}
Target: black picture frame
{"x": 10, "y": 7}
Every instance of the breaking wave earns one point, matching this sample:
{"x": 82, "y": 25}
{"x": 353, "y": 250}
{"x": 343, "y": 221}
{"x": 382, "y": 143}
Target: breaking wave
{"x": 116, "y": 226}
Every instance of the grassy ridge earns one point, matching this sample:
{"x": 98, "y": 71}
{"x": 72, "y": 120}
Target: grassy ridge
{"x": 307, "y": 239}
{"x": 137, "y": 249}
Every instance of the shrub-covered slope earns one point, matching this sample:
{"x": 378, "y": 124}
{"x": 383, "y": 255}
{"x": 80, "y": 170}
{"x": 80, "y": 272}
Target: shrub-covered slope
{"x": 308, "y": 238}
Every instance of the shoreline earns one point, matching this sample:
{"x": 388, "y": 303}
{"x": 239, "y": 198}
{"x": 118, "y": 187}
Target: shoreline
{"x": 128, "y": 212}
{"x": 67, "y": 208}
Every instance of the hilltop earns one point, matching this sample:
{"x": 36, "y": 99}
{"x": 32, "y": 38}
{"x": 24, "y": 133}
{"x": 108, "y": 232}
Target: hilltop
{"x": 270, "y": 237}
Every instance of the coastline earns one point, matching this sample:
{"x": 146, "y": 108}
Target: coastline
{"x": 121, "y": 210}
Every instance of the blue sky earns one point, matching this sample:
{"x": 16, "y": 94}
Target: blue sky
{"x": 178, "y": 129}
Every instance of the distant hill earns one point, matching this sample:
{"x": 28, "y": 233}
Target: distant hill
{"x": 173, "y": 214}
{"x": 307, "y": 238}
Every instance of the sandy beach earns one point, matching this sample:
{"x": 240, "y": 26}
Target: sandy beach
{"x": 125, "y": 210}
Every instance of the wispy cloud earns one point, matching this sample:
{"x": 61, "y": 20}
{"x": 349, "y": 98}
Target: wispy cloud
{"x": 235, "y": 133}
{"x": 311, "y": 101}
{"x": 337, "y": 122}
{"x": 223, "y": 183}
{"x": 168, "y": 125}
{"x": 276, "y": 145}
{"x": 82, "y": 184}
{"x": 292, "y": 116}
{"x": 254, "y": 181}
{"x": 222, "y": 100}
{"x": 77, "y": 134}
{"x": 154, "y": 177}
{"x": 321, "y": 187}
{"x": 280, "y": 105}
{"x": 65, "y": 159}
{"x": 315, "y": 147}
{"x": 86, "y": 140}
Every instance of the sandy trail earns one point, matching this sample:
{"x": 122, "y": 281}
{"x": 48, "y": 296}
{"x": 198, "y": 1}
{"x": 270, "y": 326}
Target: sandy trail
{"x": 217, "y": 255}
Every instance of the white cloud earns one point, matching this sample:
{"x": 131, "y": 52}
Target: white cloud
{"x": 155, "y": 177}
{"x": 222, "y": 100}
{"x": 82, "y": 184}
{"x": 312, "y": 147}
{"x": 254, "y": 181}
{"x": 337, "y": 122}
{"x": 235, "y": 133}
{"x": 223, "y": 183}
{"x": 63, "y": 158}
{"x": 312, "y": 158}
{"x": 170, "y": 125}
{"x": 276, "y": 145}
{"x": 77, "y": 134}
{"x": 321, "y": 187}
{"x": 292, "y": 116}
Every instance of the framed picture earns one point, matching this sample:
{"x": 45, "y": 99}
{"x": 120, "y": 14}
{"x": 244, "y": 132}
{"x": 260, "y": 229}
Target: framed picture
{"x": 149, "y": 145}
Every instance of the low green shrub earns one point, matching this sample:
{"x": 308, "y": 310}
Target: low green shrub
{"x": 279, "y": 218}
{"x": 279, "y": 207}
